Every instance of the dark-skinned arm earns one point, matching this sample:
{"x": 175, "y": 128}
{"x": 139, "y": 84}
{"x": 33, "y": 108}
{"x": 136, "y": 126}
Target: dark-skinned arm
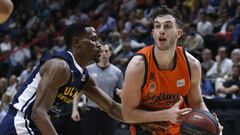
{"x": 97, "y": 95}
{"x": 54, "y": 74}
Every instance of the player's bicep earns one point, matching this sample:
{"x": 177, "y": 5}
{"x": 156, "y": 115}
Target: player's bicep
{"x": 51, "y": 73}
{"x": 133, "y": 81}
{"x": 195, "y": 94}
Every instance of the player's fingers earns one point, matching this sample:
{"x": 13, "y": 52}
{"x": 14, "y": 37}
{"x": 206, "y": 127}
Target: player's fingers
{"x": 73, "y": 118}
{"x": 179, "y": 102}
{"x": 78, "y": 118}
{"x": 184, "y": 111}
{"x": 219, "y": 125}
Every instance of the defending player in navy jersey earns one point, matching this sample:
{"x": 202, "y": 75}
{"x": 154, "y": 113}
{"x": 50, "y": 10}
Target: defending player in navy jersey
{"x": 54, "y": 83}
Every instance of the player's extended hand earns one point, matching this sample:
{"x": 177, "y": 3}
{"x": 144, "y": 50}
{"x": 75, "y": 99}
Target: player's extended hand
{"x": 75, "y": 116}
{"x": 174, "y": 113}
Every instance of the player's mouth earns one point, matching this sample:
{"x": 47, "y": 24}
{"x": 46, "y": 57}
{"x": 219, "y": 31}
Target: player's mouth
{"x": 161, "y": 39}
{"x": 98, "y": 54}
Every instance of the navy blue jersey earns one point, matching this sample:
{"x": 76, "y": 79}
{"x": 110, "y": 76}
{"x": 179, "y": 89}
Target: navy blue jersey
{"x": 24, "y": 99}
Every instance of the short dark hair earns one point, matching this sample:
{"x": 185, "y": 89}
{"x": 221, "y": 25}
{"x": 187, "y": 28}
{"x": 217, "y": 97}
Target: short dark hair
{"x": 107, "y": 44}
{"x": 74, "y": 30}
{"x": 236, "y": 66}
{"x": 164, "y": 10}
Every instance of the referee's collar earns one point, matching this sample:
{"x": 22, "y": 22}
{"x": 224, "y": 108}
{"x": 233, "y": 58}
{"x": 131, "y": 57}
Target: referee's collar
{"x": 103, "y": 68}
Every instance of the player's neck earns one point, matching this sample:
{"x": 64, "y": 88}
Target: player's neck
{"x": 165, "y": 58}
{"x": 103, "y": 63}
{"x": 80, "y": 60}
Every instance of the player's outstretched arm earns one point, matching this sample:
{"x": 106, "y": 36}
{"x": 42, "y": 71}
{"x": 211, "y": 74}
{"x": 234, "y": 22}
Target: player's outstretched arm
{"x": 6, "y": 8}
{"x": 106, "y": 103}
{"x": 52, "y": 73}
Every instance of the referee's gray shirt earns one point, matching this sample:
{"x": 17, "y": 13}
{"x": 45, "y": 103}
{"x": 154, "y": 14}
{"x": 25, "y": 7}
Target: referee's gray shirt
{"x": 108, "y": 79}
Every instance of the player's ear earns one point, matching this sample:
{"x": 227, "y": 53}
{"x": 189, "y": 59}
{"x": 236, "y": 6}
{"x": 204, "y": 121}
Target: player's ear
{"x": 75, "y": 41}
{"x": 179, "y": 33}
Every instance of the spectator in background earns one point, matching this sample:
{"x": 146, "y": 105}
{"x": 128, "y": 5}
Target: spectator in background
{"x": 207, "y": 61}
{"x": 223, "y": 21}
{"x": 207, "y": 7}
{"x": 122, "y": 59}
{"x": 6, "y": 46}
{"x": 235, "y": 56}
{"x": 236, "y": 19}
{"x": 19, "y": 54}
{"x": 204, "y": 26}
{"x": 128, "y": 6}
{"x": 206, "y": 84}
{"x": 26, "y": 72}
{"x": 60, "y": 45}
{"x": 229, "y": 88}
{"x": 12, "y": 87}
{"x": 107, "y": 23}
{"x": 10, "y": 93}
{"x": 33, "y": 19}
{"x": 222, "y": 66}
{"x": 116, "y": 41}
{"x": 194, "y": 41}
{"x": 148, "y": 12}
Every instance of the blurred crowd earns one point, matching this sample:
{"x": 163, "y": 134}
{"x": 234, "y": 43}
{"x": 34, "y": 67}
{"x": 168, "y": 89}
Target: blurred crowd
{"x": 211, "y": 34}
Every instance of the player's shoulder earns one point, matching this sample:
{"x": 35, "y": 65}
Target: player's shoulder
{"x": 137, "y": 60}
{"x": 57, "y": 64}
{"x": 137, "y": 63}
{"x": 195, "y": 67}
{"x": 193, "y": 62}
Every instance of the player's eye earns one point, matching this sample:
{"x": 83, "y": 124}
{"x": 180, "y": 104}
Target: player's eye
{"x": 157, "y": 26}
{"x": 93, "y": 38}
{"x": 167, "y": 26}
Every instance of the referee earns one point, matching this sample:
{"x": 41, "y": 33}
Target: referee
{"x": 109, "y": 78}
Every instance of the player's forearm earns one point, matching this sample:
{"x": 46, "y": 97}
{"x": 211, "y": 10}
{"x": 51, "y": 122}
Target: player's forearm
{"x": 142, "y": 116}
{"x": 116, "y": 111}
{"x": 43, "y": 123}
{"x": 201, "y": 105}
{"x": 75, "y": 103}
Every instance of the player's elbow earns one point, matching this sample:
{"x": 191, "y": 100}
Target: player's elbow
{"x": 115, "y": 111}
{"x": 37, "y": 115}
{"x": 126, "y": 114}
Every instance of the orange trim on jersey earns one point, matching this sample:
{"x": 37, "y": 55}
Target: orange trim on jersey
{"x": 163, "y": 88}
{"x": 132, "y": 130}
